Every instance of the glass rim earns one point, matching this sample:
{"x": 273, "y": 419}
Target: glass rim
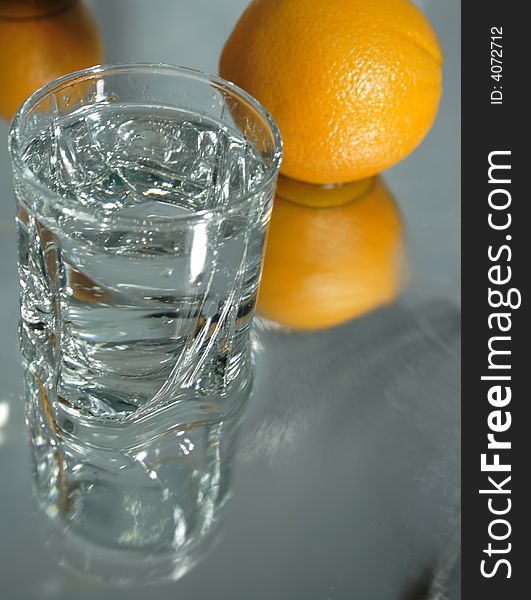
{"x": 14, "y": 141}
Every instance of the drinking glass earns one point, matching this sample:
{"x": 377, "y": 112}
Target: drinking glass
{"x": 144, "y": 194}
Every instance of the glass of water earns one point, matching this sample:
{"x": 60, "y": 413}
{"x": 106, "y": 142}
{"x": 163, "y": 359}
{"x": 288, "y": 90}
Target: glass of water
{"x": 144, "y": 195}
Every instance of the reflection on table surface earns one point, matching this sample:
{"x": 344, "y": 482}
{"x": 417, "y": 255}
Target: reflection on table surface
{"x": 345, "y": 477}
{"x": 348, "y": 458}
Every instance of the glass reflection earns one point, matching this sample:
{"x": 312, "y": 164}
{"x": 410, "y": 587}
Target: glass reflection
{"x": 144, "y": 513}
{"x": 4, "y": 418}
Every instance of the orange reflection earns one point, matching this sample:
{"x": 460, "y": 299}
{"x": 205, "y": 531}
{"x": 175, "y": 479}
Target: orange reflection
{"x": 41, "y": 40}
{"x": 324, "y": 266}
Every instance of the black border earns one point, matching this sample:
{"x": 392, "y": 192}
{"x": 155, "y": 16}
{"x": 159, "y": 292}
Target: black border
{"x": 489, "y": 127}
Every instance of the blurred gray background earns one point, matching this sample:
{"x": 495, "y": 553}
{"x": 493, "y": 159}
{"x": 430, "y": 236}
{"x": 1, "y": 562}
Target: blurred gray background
{"x": 347, "y": 479}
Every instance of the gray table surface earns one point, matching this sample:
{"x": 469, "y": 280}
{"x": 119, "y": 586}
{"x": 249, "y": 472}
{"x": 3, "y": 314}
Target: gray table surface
{"x": 347, "y": 478}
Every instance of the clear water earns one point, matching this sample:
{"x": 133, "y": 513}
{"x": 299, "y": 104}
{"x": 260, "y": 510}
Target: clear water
{"x": 137, "y": 313}
{"x": 135, "y": 325}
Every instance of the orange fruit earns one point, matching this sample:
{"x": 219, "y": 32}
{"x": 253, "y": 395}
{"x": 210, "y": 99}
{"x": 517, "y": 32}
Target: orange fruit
{"x": 326, "y": 266}
{"x": 354, "y": 85}
{"x": 42, "y": 40}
